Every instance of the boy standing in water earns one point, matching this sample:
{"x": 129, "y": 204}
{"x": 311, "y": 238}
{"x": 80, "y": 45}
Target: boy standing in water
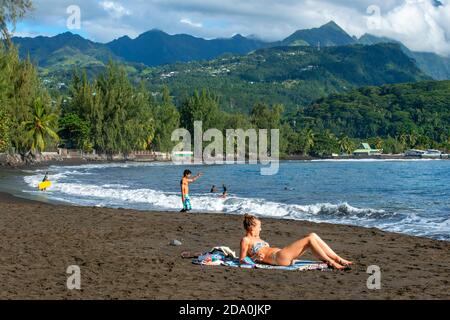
{"x": 185, "y": 189}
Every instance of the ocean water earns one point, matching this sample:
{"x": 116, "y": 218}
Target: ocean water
{"x": 411, "y": 197}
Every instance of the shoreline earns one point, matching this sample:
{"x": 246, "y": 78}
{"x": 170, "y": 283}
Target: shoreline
{"x": 65, "y": 162}
{"x": 76, "y": 162}
{"x": 11, "y": 174}
{"x": 6, "y": 196}
{"x": 125, "y": 254}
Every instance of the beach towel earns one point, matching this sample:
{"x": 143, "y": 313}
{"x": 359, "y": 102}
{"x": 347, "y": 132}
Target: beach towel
{"x": 297, "y": 265}
{"x": 217, "y": 257}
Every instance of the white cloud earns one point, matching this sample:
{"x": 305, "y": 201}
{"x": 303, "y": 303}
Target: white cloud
{"x": 419, "y": 25}
{"x": 115, "y": 9}
{"x": 98, "y": 30}
{"x": 190, "y": 23}
{"x": 30, "y": 34}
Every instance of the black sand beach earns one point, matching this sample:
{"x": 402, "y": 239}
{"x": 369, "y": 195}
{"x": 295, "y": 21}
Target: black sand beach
{"x": 125, "y": 254}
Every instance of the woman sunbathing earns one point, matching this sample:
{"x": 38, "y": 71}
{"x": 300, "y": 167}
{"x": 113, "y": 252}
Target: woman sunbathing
{"x": 258, "y": 250}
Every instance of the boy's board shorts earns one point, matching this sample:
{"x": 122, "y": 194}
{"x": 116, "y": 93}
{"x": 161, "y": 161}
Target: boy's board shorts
{"x": 187, "y": 203}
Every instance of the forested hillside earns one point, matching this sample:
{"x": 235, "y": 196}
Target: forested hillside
{"x": 292, "y": 76}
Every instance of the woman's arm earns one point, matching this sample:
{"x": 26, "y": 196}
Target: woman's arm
{"x": 244, "y": 250}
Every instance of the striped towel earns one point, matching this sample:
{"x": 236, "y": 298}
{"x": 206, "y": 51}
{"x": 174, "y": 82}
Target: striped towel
{"x": 217, "y": 258}
{"x": 298, "y": 265}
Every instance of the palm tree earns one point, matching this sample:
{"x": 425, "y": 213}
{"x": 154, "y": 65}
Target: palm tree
{"x": 329, "y": 135}
{"x": 41, "y": 127}
{"x": 403, "y": 139}
{"x": 310, "y": 140}
{"x": 412, "y": 140}
{"x": 345, "y": 144}
{"x": 4, "y": 131}
{"x": 379, "y": 143}
{"x": 448, "y": 144}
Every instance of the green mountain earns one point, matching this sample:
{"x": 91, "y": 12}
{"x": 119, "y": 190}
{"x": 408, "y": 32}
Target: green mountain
{"x": 327, "y": 35}
{"x": 44, "y": 50}
{"x": 155, "y": 47}
{"x": 58, "y": 55}
{"x": 289, "y": 75}
{"x": 431, "y": 63}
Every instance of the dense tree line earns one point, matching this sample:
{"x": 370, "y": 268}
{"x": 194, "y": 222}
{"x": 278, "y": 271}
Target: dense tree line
{"x": 108, "y": 114}
{"x": 111, "y": 115}
{"x": 392, "y": 117}
{"x": 28, "y": 115}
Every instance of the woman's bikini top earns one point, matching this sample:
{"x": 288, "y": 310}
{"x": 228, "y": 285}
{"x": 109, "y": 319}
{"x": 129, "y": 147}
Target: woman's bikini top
{"x": 258, "y": 246}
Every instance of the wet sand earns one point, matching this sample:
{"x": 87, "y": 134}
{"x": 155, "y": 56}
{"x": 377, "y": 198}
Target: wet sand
{"x": 125, "y": 254}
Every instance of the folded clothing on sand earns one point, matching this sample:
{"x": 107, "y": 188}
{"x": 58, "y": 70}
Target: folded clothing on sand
{"x": 220, "y": 257}
{"x": 215, "y": 257}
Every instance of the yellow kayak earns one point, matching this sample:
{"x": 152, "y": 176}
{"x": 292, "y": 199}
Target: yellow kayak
{"x": 44, "y": 185}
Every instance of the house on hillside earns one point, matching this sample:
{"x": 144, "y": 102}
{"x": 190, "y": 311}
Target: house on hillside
{"x": 366, "y": 150}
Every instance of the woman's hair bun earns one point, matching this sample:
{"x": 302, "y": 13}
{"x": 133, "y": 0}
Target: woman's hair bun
{"x": 249, "y": 221}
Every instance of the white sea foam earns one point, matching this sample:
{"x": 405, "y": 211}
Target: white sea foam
{"x": 111, "y": 165}
{"x": 67, "y": 187}
{"x": 119, "y": 195}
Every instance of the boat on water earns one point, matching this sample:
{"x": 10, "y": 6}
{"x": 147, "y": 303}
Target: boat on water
{"x": 428, "y": 154}
{"x": 414, "y": 153}
{"x": 434, "y": 154}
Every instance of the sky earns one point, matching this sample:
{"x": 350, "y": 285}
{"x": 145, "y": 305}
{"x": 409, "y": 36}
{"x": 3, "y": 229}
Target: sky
{"x": 422, "y": 25}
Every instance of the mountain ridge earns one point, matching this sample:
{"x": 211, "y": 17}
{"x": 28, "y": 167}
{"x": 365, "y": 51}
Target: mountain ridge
{"x": 329, "y": 34}
{"x": 156, "y": 47}
{"x": 431, "y": 63}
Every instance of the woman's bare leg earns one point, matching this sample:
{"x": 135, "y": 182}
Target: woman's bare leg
{"x": 298, "y": 248}
{"x": 318, "y": 251}
{"x": 330, "y": 252}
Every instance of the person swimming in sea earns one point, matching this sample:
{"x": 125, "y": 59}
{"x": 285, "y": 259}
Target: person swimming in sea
{"x": 225, "y": 192}
{"x": 213, "y": 189}
{"x": 253, "y": 247}
{"x": 185, "y": 198}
